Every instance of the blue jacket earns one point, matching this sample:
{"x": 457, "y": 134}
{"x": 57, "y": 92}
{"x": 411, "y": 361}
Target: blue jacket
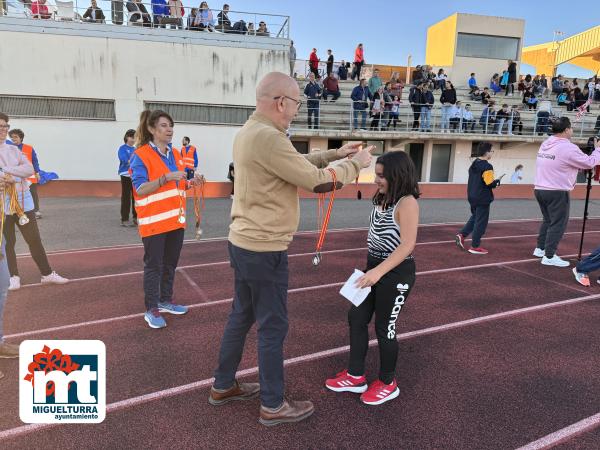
{"x": 160, "y": 8}
{"x": 481, "y": 182}
{"x": 487, "y": 116}
{"x": 124, "y": 154}
{"x": 138, "y": 168}
{"x": 360, "y": 96}
{"x": 343, "y": 72}
{"x": 472, "y": 82}
{"x": 312, "y": 91}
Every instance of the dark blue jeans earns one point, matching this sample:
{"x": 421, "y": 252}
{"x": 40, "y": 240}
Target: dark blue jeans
{"x": 313, "y": 112}
{"x": 261, "y": 284}
{"x": 161, "y": 255}
{"x": 591, "y": 263}
{"x": 477, "y": 223}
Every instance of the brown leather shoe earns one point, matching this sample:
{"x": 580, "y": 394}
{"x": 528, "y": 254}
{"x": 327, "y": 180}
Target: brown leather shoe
{"x": 239, "y": 391}
{"x": 291, "y": 411}
{"x": 9, "y": 350}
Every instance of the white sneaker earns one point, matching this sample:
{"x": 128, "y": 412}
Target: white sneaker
{"x": 54, "y": 278}
{"x": 15, "y": 283}
{"x": 555, "y": 261}
{"x": 539, "y": 252}
{"x": 38, "y": 215}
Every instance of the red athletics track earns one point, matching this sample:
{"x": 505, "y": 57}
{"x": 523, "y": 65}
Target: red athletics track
{"x": 497, "y": 351}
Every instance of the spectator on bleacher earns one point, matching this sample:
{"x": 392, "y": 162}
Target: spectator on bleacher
{"x": 597, "y": 92}
{"x": 540, "y": 85}
{"x": 292, "y": 55}
{"x": 504, "y": 79}
{"x": 415, "y": 97}
{"x": 360, "y": 102}
{"x": 160, "y": 9}
{"x": 251, "y": 31}
{"x": 204, "y": 18}
{"x": 331, "y": 87}
{"x": 313, "y": 62}
{"x": 456, "y": 113}
{"x": 329, "y": 62}
{"x": 343, "y": 71}
{"x": 378, "y": 108}
{"x": 94, "y": 14}
{"x": 427, "y": 102}
{"x": 597, "y": 126}
{"x": 447, "y": 99}
{"x": 359, "y": 61}
{"x": 313, "y": 92}
{"x": 417, "y": 76}
{"x": 429, "y": 77}
{"x": 530, "y": 100}
{"x": 517, "y": 125}
{"x": 517, "y": 175}
{"x": 556, "y": 168}
{"x": 375, "y": 82}
{"x": 485, "y": 96}
{"x": 472, "y": 84}
{"x": 467, "y": 119}
{"x": 495, "y": 84}
{"x": 580, "y": 98}
{"x": 476, "y": 95}
{"x": 396, "y": 85}
{"x": 504, "y": 116}
{"x": 440, "y": 80}
{"x": 176, "y": 13}
{"x": 262, "y": 29}
{"x": 395, "y": 112}
{"x": 39, "y": 9}
{"x": 223, "y": 22}
{"x": 138, "y": 14}
{"x": 575, "y": 83}
{"x": 562, "y": 99}
{"x": 192, "y": 19}
{"x": 512, "y": 78}
{"x": 557, "y": 85}
{"x": 17, "y": 136}
{"x": 388, "y": 97}
{"x": 488, "y": 118}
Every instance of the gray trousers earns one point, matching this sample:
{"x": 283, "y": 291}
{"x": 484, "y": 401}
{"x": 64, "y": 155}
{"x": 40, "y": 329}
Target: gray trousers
{"x": 555, "y": 207}
{"x": 261, "y": 284}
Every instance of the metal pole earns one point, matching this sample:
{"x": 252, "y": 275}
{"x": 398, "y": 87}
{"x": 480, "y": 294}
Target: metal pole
{"x": 585, "y": 211}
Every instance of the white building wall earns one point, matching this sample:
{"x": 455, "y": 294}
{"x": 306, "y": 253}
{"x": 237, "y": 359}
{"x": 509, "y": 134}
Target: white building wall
{"x": 129, "y": 68}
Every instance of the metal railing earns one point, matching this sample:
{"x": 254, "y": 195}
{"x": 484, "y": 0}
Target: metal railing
{"x": 153, "y": 15}
{"x": 344, "y": 115}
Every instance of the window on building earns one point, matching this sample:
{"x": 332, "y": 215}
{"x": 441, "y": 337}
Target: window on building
{"x": 415, "y": 151}
{"x": 57, "y": 107}
{"x": 334, "y": 143}
{"x": 474, "y": 146}
{"x": 483, "y": 46}
{"x": 204, "y": 113}
{"x": 440, "y": 163}
{"x": 301, "y": 146}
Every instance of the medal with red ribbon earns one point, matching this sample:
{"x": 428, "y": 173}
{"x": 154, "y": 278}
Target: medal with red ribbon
{"x": 323, "y": 217}
{"x": 199, "y": 206}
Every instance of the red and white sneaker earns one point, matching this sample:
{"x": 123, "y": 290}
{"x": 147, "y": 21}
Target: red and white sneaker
{"x": 460, "y": 241}
{"x": 346, "y": 383}
{"x": 379, "y": 393}
{"x": 478, "y": 251}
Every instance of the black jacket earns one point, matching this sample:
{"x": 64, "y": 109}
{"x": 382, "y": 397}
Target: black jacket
{"x": 481, "y": 183}
{"x": 448, "y": 96}
{"x": 415, "y": 96}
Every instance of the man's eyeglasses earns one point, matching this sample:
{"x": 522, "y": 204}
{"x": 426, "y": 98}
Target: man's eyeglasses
{"x": 298, "y": 102}
{"x": 4, "y": 127}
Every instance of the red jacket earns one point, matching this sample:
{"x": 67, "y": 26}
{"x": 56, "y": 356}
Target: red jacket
{"x": 314, "y": 60}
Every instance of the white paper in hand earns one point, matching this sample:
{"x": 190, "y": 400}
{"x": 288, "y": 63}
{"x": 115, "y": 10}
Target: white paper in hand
{"x": 351, "y": 292}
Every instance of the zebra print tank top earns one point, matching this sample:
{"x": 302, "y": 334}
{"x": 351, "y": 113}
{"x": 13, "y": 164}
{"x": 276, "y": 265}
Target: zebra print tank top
{"x": 384, "y": 232}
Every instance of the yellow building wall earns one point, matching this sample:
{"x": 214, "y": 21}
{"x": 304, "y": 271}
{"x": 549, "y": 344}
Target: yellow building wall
{"x": 441, "y": 42}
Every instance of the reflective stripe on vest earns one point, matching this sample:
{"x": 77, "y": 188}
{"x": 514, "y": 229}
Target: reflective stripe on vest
{"x": 28, "y": 152}
{"x": 188, "y": 156}
{"x": 160, "y": 211}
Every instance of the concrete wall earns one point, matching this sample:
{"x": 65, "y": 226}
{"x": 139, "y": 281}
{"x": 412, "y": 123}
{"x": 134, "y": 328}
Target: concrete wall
{"x": 142, "y": 65}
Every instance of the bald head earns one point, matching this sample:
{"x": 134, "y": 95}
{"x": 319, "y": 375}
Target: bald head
{"x": 274, "y": 84}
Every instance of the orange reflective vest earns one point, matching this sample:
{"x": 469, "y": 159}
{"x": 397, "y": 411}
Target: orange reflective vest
{"x": 28, "y": 152}
{"x": 163, "y": 210}
{"x": 188, "y": 156}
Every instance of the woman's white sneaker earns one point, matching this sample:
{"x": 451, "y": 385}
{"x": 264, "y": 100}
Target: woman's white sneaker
{"x": 54, "y": 278}
{"x": 15, "y": 283}
{"x": 555, "y": 261}
{"x": 539, "y": 253}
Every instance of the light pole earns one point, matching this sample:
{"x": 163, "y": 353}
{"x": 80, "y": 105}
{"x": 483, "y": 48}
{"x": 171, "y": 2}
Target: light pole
{"x": 555, "y": 47}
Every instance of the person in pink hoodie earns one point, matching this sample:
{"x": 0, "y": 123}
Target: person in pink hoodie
{"x": 558, "y": 162}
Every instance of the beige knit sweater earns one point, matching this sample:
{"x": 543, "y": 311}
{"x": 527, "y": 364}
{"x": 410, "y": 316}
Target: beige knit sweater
{"x": 268, "y": 172}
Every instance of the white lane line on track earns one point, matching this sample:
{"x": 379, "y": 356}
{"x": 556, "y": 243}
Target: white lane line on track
{"x": 218, "y": 239}
{"x": 295, "y": 255}
{"x": 564, "y": 434}
{"x": 566, "y": 286}
{"x": 201, "y": 294}
{"x": 228, "y": 300}
{"x": 178, "y": 390}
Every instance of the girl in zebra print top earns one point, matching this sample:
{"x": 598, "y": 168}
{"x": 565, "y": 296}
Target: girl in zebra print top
{"x": 390, "y": 274}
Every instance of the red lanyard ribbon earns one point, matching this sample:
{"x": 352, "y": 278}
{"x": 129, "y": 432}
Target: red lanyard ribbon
{"x": 199, "y": 206}
{"x": 324, "y": 217}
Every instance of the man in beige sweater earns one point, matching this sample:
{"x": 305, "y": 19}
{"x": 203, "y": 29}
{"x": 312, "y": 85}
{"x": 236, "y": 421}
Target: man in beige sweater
{"x": 265, "y": 216}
